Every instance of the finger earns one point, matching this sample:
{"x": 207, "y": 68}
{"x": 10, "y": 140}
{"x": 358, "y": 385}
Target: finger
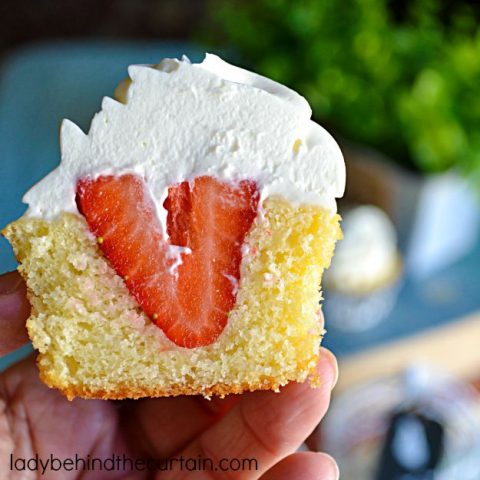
{"x": 304, "y": 466}
{"x": 14, "y": 311}
{"x": 163, "y": 426}
{"x": 267, "y": 426}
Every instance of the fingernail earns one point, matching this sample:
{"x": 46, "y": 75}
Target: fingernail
{"x": 9, "y": 283}
{"x": 335, "y": 469}
{"x": 336, "y": 374}
{"x": 333, "y": 364}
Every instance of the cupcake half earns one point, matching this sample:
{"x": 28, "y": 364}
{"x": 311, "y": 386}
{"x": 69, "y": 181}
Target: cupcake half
{"x": 179, "y": 246}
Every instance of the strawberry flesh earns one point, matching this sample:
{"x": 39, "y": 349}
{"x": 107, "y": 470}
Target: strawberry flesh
{"x": 190, "y": 302}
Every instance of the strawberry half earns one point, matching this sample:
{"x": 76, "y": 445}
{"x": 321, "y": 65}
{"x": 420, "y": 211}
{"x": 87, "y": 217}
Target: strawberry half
{"x": 190, "y": 302}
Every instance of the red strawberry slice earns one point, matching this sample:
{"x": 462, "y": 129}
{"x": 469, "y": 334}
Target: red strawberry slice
{"x": 189, "y": 302}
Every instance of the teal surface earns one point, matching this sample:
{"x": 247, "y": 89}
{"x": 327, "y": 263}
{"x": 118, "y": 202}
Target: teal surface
{"x": 41, "y": 85}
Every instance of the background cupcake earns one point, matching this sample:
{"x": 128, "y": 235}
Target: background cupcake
{"x": 363, "y": 282}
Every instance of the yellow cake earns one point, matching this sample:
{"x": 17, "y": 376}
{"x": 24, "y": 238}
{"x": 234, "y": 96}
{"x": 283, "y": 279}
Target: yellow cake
{"x": 94, "y": 336}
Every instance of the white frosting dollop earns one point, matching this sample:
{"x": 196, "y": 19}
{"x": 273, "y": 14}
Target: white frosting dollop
{"x": 367, "y": 257}
{"x": 182, "y": 120}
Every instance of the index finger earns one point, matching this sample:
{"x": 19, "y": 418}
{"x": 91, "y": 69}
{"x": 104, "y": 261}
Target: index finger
{"x": 14, "y": 311}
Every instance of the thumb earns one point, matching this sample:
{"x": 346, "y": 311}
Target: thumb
{"x": 14, "y": 311}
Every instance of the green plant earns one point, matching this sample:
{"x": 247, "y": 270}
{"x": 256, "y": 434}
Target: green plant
{"x": 402, "y": 77}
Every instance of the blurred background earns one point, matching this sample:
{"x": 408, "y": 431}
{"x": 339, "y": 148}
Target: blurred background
{"x": 397, "y": 82}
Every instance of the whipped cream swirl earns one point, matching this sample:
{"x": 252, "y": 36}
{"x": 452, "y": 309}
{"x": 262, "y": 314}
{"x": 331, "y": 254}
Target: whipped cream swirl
{"x": 183, "y": 120}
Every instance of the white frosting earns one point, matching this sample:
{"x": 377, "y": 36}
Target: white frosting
{"x": 367, "y": 256}
{"x": 183, "y": 120}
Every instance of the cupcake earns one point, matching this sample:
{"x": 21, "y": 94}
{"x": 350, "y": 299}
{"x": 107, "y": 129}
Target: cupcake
{"x": 363, "y": 281}
{"x": 179, "y": 246}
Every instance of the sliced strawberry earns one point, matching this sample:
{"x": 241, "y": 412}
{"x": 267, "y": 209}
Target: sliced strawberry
{"x": 189, "y": 302}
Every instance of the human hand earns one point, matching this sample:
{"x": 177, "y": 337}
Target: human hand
{"x": 266, "y": 426}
